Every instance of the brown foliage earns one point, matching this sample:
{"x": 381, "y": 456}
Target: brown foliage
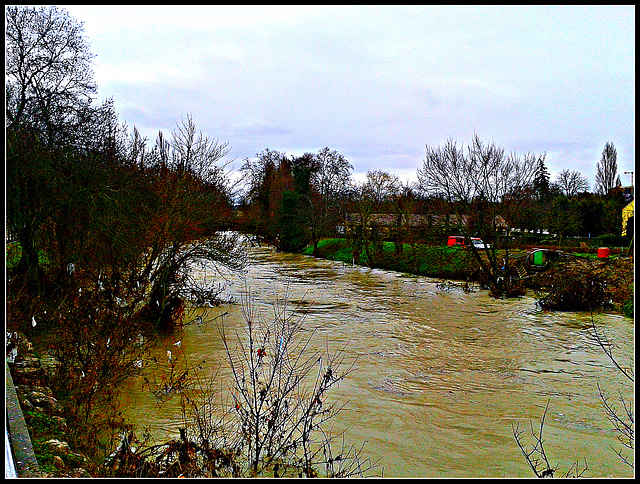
{"x": 582, "y": 284}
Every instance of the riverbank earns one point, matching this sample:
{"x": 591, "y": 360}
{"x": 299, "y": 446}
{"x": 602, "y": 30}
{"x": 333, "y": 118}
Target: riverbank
{"x": 457, "y": 263}
{"x": 465, "y": 365}
{"x": 431, "y": 261}
{"x": 421, "y": 350}
{"x": 43, "y": 414}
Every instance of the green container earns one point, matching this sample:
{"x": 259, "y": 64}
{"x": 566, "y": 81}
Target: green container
{"x": 538, "y": 258}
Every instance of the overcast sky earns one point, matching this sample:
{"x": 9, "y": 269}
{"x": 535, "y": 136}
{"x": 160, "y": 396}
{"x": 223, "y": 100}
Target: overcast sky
{"x": 378, "y": 83}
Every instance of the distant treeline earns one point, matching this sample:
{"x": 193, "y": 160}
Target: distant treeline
{"x": 293, "y": 201}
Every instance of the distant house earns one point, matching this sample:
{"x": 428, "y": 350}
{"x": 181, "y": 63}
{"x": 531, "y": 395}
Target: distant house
{"x": 385, "y": 221}
{"x": 415, "y": 220}
{"x": 627, "y": 213}
{"x": 388, "y": 219}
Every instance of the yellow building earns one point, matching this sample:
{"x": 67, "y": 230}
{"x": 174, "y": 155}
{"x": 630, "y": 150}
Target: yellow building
{"x": 627, "y": 212}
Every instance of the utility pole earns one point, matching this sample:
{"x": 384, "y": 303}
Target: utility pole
{"x": 629, "y": 173}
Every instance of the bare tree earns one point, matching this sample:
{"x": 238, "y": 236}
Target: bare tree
{"x": 332, "y": 176}
{"x": 330, "y": 181}
{"x": 571, "y": 183}
{"x": 49, "y": 83}
{"x": 563, "y": 217}
{"x": 483, "y": 190}
{"x": 381, "y": 186}
{"x": 194, "y": 206}
{"x": 197, "y": 154}
{"x": 607, "y": 170}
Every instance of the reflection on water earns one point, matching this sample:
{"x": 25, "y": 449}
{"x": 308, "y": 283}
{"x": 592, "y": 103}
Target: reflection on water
{"x": 441, "y": 375}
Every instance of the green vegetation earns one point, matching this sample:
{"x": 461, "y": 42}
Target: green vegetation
{"x": 13, "y": 252}
{"x": 628, "y": 308}
{"x": 628, "y": 305}
{"x": 106, "y": 227}
{"x": 42, "y": 428}
{"x": 433, "y": 261}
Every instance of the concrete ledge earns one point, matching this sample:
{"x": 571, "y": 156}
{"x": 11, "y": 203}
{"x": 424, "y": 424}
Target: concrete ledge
{"x": 25, "y": 461}
{"x": 9, "y": 466}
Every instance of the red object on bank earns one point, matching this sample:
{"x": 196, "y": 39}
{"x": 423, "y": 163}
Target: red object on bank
{"x": 603, "y": 252}
{"x": 460, "y": 240}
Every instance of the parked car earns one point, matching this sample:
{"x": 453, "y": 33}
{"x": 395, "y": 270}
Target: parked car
{"x": 460, "y": 240}
{"x": 479, "y": 244}
{"x": 455, "y": 240}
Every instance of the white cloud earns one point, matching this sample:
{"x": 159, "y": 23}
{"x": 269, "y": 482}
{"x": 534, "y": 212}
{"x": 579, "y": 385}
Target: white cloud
{"x": 105, "y": 18}
{"x": 376, "y": 83}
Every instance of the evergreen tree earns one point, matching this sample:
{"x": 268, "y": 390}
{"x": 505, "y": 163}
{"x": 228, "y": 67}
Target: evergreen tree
{"x": 291, "y": 223}
{"x": 541, "y": 180}
{"x": 607, "y": 170}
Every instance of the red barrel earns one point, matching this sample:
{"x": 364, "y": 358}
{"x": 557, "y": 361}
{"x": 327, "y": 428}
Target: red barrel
{"x": 603, "y": 252}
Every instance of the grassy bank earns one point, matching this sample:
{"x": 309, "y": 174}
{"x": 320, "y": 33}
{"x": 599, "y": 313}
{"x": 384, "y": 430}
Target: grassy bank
{"x": 457, "y": 263}
{"x": 432, "y": 261}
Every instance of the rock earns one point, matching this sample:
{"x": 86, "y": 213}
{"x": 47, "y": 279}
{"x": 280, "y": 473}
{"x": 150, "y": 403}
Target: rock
{"x": 45, "y": 390}
{"x": 58, "y": 462}
{"x": 36, "y": 396}
{"x": 27, "y": 361}
{"x": 26, "y": 404}
{"x": 44, "y": 401}
{"x": 80, "y": 472}
{"x": 58, "y": 446}
{"x": 49, "y": 365}
{"x": 81, "y": 458}
{"x": 61, "y": 423}
{"x": 27, "y": 375}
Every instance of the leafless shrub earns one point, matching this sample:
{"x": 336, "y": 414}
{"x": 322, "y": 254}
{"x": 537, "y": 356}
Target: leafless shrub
{"x": 576, "y": 288}
{"x": 271, "y": 423}
{"x": 175, "y": 376}
{"x": 94, "y": 342}
{"x": 622, "y": 421}
{"x": 536, "y": 457}
{"x": 623, "y": 424}
{"x": 280, "y": 398}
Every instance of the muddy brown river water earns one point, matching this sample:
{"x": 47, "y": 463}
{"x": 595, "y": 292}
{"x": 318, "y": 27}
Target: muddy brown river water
{"x": 440, "y": 374}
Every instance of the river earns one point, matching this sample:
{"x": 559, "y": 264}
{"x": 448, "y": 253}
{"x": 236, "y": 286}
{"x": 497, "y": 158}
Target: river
{"x": 440, "y": 375}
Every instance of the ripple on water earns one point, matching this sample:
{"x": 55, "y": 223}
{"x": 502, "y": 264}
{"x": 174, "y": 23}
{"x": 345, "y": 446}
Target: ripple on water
{"x": 439, "y": 375}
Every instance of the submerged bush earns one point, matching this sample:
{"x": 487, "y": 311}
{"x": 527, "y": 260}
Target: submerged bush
{"x": 577, "y": 289}
{"x": 272, "y": 423}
